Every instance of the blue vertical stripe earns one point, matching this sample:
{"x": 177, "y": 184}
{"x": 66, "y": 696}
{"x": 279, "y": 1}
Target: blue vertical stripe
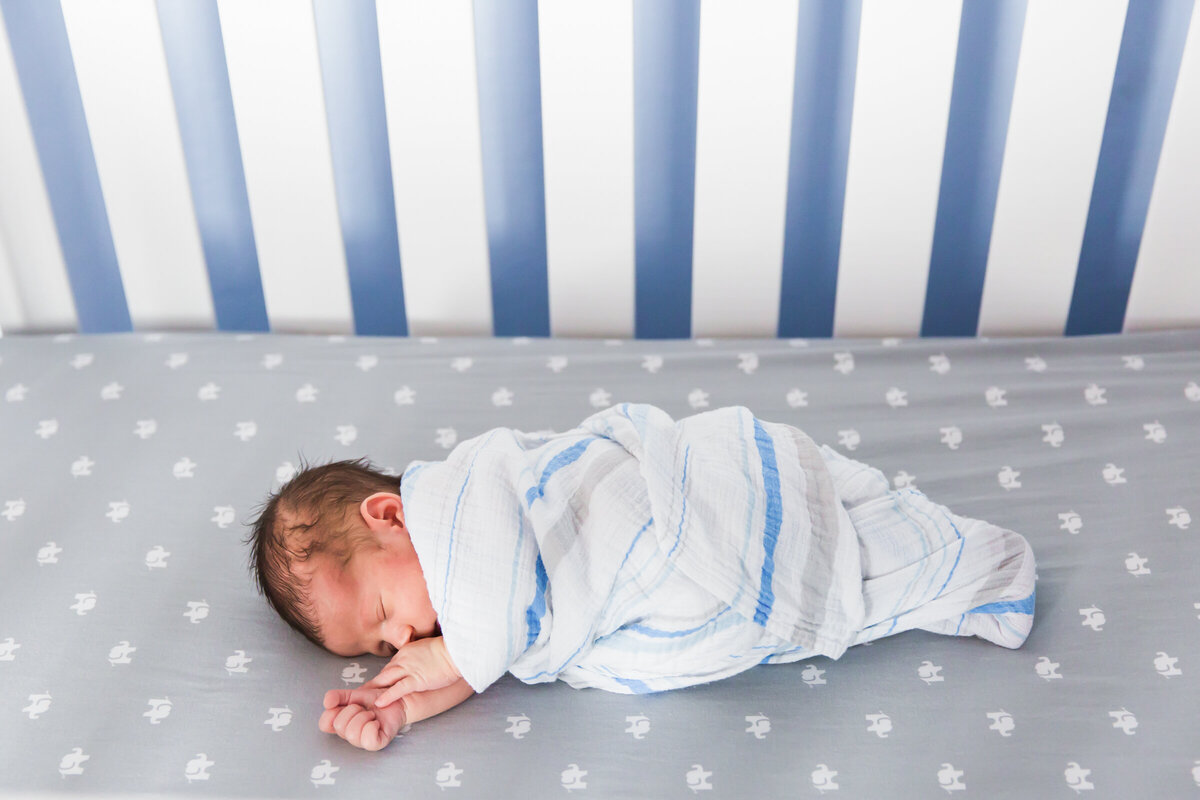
{"x": 823, "y": 97}
{"x": 925, "y": 564}
{"x": 666, "y": 68}
{"x": 195, "y": 52}
{"x": 1143, "y": 87}
{"x": 454, "y": 521}
{"x": 687, "y": 455}
{"x": 537, "y": 608}
{"x": 985, "y": 74}
{"x": 772, "y": 521}
{"x": 348, "y": 41}
{"x": 510, "y": 123}
{"x": 46, "y": 70}
{"x": 514, "y": 582}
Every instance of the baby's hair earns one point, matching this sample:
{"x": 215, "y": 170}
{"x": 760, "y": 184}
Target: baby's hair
{"x": 314, "y": 512}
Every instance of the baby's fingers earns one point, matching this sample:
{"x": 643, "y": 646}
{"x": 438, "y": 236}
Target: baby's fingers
{"x": 384, "y": 678}
{"x": 365, "y": 730}
{"x": 344, "y": 697}
{"x": 373, "y": 736}
{"x": 361, "y": 728}
{"x": 405, "y": 685}
{"x": 336, "y": 701}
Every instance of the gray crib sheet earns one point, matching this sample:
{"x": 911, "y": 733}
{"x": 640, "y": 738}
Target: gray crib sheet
{"x": 137, "y": 657}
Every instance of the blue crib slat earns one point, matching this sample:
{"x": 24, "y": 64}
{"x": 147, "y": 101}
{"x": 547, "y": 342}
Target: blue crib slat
{"x": 823, "y": 98}
{"x": 985, "y": 74}
{"x": 666, "y": 63}
{"x": 195, "y": 53}
{"x": 510, "y": 121}
{"x": 1143, "y": 87}
{"x": 46, "y": 70}
{"x": 348, "y": 39}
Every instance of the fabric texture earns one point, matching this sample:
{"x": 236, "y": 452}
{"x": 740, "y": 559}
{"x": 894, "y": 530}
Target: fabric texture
{"x": 635, "y": 554}
{"x": 137, "y": 655}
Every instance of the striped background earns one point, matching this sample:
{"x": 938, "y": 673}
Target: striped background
{"x": 632, "y": 168}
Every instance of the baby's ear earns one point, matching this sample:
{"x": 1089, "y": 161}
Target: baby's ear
{"x": 381, "y": 506}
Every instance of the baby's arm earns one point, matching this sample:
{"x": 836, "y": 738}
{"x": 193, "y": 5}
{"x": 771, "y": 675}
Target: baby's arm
{"x": 423, "y": 705}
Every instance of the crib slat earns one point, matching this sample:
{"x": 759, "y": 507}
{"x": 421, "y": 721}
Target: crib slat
{"x": 666, "y": 56}
{"x": 191, "y": 33}
{"x": 41, "y": 52}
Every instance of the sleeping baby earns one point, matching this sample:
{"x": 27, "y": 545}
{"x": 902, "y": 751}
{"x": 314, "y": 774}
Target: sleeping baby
{"x": 633, "y": 553}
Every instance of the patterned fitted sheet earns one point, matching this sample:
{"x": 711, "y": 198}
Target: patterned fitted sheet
{"x": 136, "y": 655}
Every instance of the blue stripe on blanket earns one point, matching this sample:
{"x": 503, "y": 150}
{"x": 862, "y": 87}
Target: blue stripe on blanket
{"x": 924, "y": 554}
{"x": 1024, "y": 606}
{"x": 751, "y": 504}
{"x": 560, "y": 460}
{"x": 774, "y": 519}
{"x": 639, "y": 424}
{"x": 657, "y": 633}
{"x": 683, "y": 512}
{"x": 637, "y": 686}
{"x": 537, "y": 609}
{"x": 454, "y": 524}
{"x": 512, "y": 580}
{"x": 633, "y": 544}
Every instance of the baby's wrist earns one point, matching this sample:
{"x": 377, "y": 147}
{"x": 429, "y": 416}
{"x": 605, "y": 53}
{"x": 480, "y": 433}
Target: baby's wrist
{"x": 446, "y": 655}
{"x": 405, "y": 710}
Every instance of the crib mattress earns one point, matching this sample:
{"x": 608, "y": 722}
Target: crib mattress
{"x": 137, "y": 656}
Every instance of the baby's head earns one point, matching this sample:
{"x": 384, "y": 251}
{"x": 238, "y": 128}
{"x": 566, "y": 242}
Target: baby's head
{"x": 332, "y": 556}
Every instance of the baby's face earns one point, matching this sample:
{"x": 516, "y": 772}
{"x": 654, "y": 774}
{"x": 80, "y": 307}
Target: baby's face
{"x": 378, "y": 605}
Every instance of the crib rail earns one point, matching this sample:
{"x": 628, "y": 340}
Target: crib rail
{"x": 626, "y": 169}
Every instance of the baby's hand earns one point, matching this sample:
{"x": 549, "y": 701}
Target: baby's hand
{"x": 422, "y": 665}
{"x": 353, "y": 715}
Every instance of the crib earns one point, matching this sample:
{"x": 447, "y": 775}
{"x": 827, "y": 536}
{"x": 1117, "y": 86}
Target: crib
{"x": 953, "y": 240}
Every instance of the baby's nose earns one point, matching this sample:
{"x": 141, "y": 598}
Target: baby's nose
{"x": 397, "y": 637}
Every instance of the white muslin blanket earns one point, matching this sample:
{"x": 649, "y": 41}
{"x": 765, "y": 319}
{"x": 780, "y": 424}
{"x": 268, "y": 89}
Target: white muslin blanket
{"x": 636, "y": 553}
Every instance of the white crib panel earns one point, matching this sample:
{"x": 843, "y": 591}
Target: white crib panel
{"x": 747, "y": 69}
{"x": 906, "y": 59}
{"x": 1166, "y": 281}
{"x": 275, "y": 80}
{"x": 10, "y": 310}
{"x": 122, "y": 73}
{"x": 1060, "y": 101}
{"x": 586, "y": 52}
{"x": 35, "y": 294}
{"x": 431, "y": 100}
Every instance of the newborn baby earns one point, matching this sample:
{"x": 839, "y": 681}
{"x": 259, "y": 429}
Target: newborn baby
{"x": 632, "y": 553}
{"x": 347, "y": 577}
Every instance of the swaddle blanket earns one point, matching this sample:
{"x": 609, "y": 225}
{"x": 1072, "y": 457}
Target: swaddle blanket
{"x": 635, "y": 553}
